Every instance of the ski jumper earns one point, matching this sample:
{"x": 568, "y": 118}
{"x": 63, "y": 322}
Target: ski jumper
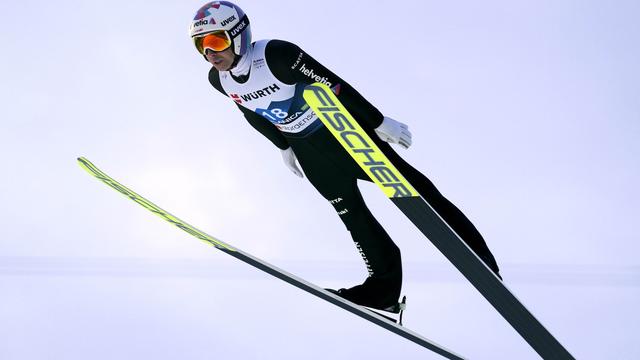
{"x": 270, "y": 97}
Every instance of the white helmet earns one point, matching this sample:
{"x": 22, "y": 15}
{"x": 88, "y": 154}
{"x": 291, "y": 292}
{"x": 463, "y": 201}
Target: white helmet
{"x": 227, "y": 20}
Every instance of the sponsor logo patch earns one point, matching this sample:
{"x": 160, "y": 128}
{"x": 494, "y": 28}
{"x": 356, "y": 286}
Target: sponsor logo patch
{"x": 364, "y": 257}
{"x": 314, "y": 76}
{"x": 204, "y": 22}
{"x": 255, "y": 95}
{"x": 295, "y": 65}
{"x": 236, "y": 98}
{"x": 239, "y": 27}
{"x": 228, "y": 20}
{"x": 258, "y": 63}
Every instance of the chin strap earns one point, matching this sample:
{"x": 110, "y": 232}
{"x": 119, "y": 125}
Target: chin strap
{"x": 242, "y": 64}
{"x": 236, "y": 60}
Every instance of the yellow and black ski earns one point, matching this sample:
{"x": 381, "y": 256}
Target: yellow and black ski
{"x": 382, "y": 172}
{"x": 380, "y": 320}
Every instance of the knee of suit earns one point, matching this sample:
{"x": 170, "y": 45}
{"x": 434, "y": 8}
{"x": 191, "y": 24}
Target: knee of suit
{"x": 356, "y": 220}
{"x": 349, "y": 212}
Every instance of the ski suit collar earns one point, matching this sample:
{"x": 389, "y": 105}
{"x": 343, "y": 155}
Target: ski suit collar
{"x": 244, "y": 64}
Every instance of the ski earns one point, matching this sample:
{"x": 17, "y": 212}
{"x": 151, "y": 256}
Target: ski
{"x": 417, "y": 209}
{"x": 382, "y": 321}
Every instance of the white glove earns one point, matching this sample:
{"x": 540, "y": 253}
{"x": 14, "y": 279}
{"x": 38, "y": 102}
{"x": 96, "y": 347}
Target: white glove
{"x": 289, "y": 158}
{"x": 394, "y": 132}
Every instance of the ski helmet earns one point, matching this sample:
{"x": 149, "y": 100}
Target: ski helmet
{"x": 227, "y": 21}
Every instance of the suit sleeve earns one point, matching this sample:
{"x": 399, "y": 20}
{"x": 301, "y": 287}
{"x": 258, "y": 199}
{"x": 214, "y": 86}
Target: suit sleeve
{"x": 291, "y": 65}
{"x": 266, "y": 128}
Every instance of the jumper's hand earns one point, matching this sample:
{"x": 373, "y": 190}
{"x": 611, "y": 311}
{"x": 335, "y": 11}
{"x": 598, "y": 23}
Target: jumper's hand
{"x": 289, "y": 158}
{"x": 394, "y": 132}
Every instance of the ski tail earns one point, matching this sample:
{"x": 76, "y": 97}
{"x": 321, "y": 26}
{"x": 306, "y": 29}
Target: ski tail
{"x": 100, "y": 175}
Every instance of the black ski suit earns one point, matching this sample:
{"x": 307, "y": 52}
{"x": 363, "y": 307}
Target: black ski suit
{"x": 334, "y": 173}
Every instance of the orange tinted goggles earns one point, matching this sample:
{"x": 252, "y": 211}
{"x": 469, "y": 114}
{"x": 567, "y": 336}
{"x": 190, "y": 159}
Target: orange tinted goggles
{"x": 216, "y": 41}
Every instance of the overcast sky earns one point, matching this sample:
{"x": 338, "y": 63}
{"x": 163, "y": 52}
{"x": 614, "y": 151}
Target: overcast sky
{"x": 525, "y": 114}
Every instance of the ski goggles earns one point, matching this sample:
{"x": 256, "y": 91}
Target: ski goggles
{"x": 216, "y": 41}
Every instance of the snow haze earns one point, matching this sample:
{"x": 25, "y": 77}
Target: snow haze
{"x": 525, "y": 114}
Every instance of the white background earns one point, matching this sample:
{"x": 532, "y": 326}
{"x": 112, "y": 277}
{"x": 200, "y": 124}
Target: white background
{"x": 525, "y": 114}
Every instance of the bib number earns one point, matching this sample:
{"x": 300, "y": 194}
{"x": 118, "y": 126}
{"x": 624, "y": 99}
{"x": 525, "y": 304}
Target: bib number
{"x": 275, "y": 114}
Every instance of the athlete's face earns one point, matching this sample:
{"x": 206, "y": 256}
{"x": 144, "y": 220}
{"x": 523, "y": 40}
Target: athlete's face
{"x": 221, "y": 60}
